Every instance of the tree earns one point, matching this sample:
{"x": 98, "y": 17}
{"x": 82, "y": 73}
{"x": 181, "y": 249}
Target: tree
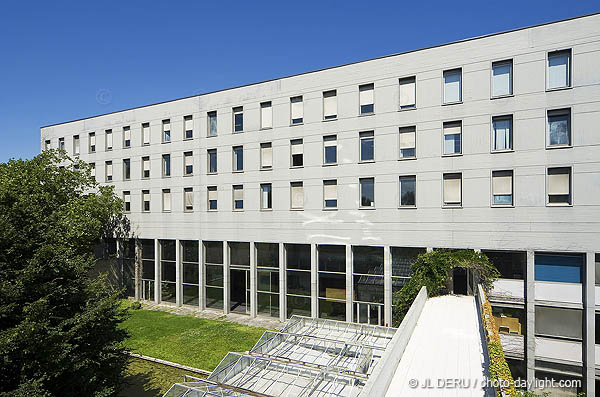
{"x": 59, "y": 331}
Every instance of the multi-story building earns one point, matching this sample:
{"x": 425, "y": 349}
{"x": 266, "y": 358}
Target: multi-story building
{"x": 311, "y": 194}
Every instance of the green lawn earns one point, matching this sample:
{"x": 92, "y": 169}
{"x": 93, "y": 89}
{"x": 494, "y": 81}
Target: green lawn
{"x": 187, "y": 340}
{"x": 147, "y": 379}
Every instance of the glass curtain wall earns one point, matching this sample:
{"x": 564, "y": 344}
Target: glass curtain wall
{"x": 213, "y": 267}
{"x": 297, "y": 261}
{"x": 368, "y": 284}
{"x": 402, "y": 261}
{"x": 129, "y": 266}
{"x": 267, "y": 268}
{"x": 147, "y": 270}
{"x": 168, "y": 265}
{"x": 190, "y": 279}
{"x": 332, "y": 282}
{"x": 239, "y": 277}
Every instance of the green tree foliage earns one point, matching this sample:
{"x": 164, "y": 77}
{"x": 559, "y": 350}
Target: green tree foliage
{"x": 432, "y": 269}
{"x": 59, "y": 332}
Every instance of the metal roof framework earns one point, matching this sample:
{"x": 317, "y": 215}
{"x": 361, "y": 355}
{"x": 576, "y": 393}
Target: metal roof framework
{"x": 309, "y": 356}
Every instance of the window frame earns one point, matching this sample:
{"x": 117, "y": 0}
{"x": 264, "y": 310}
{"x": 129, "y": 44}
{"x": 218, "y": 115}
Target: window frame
{"x": 144, "y": 126}
{"x": 208, "y": 117}
{"x": 365, "y": 87}
{"x": 451, "y": 204}
{"x": 460, "y": 93}
{"x": 327, "y": 182}
{"x": 234, "y": 188}
{"x": 208, "y": 157}
{"x": 262, "y": 203}
{"x": 125, "y": 202}
{"x": 163, "y": 192}
{"x": 570, "y": 69}
{"x": 166, "y": 165}
{"x": 554, "y": 167}
{"x": 61, "y": 143}
{"x": 406, "y": 206}
{"x": 163, "y": 134}
{"x": 512, "y": 181}
{"x": 261, "y": 146}
{"x": 501, "y": 117}
{"x": 291, "y": 110}
{"x": 460, "y": 153}
{"x": 502, "y": 62}
{"x": 144, "y": 158}
{"x": 125, "y": 176}
{"x": 567, "y": 110}
{"x": 187, "y": 118}
{"x": 270, "y": 105}
{"x": 234, "y": 158}
{"x": 234, "y": 112}
{"x": 399, "y": 143}
{"x": 335, "y": 117}
{"x": 144, "y": 192}
{"x": 92, "y": 148}
{"x": 187, "y": 154}
{"x": 107, "y": 133}
{"x": 407, "y": 107}
{"x": 360, "y": 192}
{"x": 107, "y": 177}
{"x": 212, "y": 188}
{"x": 336, "y": 150}
{"x": 76, "y": 145}
{"x": 362, "y": 135}
{"x": 188, "y": 190}
{"x": 127, "y": 128}
{"x": 292, "y": 154}
{"x": 292, "y": 184}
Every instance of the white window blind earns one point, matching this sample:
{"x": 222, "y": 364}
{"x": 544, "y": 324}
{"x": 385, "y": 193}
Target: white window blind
{"x": 330, "y": 191}
{"x": 502, "y": 133}
{"x": 297, "y": 147}
{"x": 92, "y": 140}
{"x": 266, "y": 115}
{"x": 330, "y": 140}
{"x": 166, "y": 200}
{"x": 189, "y": 124}
{"x": 502, "y": 184}
{"x": 407, "y": 92}
{"x": 297, "y": 195}
{"x": 266, "y": 155}
{"x": 166, "y": 125}
{"x": 297, "y": 109}
{"x": 558, "y": 183}
{"x": 559, "y": 69}
{"x": 109, "y": 139}
{"x": 76, "y": 146}
{"x": 366, "y": 98}
{"x": 146, "y": 134}
{"x": 452, "y": 189}
{"x": 188, "y": 198}
{"x": 93, "y": 169}
{"x": 127, "y": 198}
{"x": 238, "y": 193}
{"x": 407, "y": 138}
{"x": 502, "y": 78}
{"x": 212, "y": 194}
{"x": 146, "y": 196}
{"x": 146, "y": 164}
{"x": 452, "y": 86}
{"x": 330, "y": 104}
{"x": 189, "y": 160}
{"x": 452, "y": 128}
{"x": 127, "y": 134}
{"x": 109, "y": 169}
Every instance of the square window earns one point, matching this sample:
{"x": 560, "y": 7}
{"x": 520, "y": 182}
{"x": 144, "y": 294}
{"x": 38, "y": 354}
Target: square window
{"x": 502, "y": 80}
{"x": 238, "y": 197}
{"x": 238, "y": 158}
{"x": 559, "y": 69}
{"x": 502, "y": 188}
{"x": 330, "y": 105}
{"x": 408, "y": 93}
{"x": 367, "y": 146}
{"x": 452, "y": 138}
{"x": 297, "y": 110}
{"x": 559, "y": 186}
{"x": 453, "y": 86}
{"x": 408, "y": 191}
{"x": 330, "y": 194}
{"x": 297, "y": 152}
{"x": 502, "y": 130}
{"x": 453, "y": 189}
{"x": 408, "y": 142}
{"x": 559, "y": 127}
{"x": 330, "y": 149}
{"x": 238, "y": 119}
{"x": 366, "y": 98}
{"x": 367, "y": 192}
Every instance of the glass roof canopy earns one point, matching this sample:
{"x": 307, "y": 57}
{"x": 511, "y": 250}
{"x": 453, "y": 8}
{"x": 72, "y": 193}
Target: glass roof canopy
{"x": 308, "y": 356}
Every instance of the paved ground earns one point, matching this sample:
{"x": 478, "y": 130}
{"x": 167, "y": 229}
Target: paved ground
{"x": 445, "y": 350}
{"x": 264, "y": 322}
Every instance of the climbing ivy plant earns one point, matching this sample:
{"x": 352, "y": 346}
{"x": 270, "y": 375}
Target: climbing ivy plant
{"x": 432, "y": 270}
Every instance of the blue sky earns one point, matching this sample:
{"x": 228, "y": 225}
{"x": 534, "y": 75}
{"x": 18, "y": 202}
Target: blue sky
{"x": 68, "y": 60}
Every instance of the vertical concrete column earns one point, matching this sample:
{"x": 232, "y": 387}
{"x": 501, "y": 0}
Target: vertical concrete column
{"x": 201, "y": 277}
{"x": 530, "y": 313}
{"x": 349, "y": 283}
{"x": 314, "y": 268}
{"x": 138, "y": 269}
{"x": 178, "y": 281}
{"x": 282, "y": 283}
{"x": 156, "y": 270}
{"x": 589, "y": 346}
{"x": 226, "y": 295}
{"x": 253, "y": 275}
{"x": 387, "y": 285}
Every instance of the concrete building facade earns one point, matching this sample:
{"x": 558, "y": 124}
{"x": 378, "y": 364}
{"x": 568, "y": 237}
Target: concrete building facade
{"x": 312, "y": 194}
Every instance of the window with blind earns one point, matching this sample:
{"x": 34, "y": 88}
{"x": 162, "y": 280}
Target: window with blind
{"x": 452, "y": 137}
{"x": 452, "y": 86}
{"x": 108, "y": 171}
{"x": 408, "y": 142}
{"x": 452, "y": 189}
{"x": 211, "y": 155}
{"x": 146, "y": 200}
{"x": 367, "y": 192}
{"x": 502, "y": 130}
{"x": 211, "y": 123}
{"x": 108, "y": 135}
{"x": 145, "y": 167}
{"x": 297, "y": 195}
{"x": 92, "y": 169}
{"x": 297, "y": 153}
{"x": 559, "y": 185}
{"x": 126, "y": 137}
{"x": 212, "y": 198}
{"x": 166, "y": 165}
{"x": 238, "y": 158}
{"x": 266, "y": 115}
{"x": 188, "y": 127}
{"x": 91, "y": 141}
{"x": 47, "y": 144}
{"x": 502, "y": 78}
{"x": 330, "y": 105}
{"x": 126, "y": 169}
{"x": 366, "y": 98}
{"x": 238, "y": 119}
{"x": 367, "y": 146}
{"x": 330, "y": 194}
{"x": 146, "y": 134}
{"x": 559, "y": 127}
{"x": 408, "y": 191}
{"x": 266, "y": 196}
{"x": 502, "y": 188}
{"x": 408, "y": 92}
{"x": 188, "y": 163}
{"x": 127, "y": 201}
{"x": 166, "y": 200}
{"x": 61, "y": 143}
{"x": 166, "y": 129}
{"x": 297, "y": 110}
{"x": 188, "y": 199}
{"x": 76, "y": 144}
{"x": 558, "y": 73}
{"x": 330, "y": 149}
{"x": 266, "y": 156}
{"x": 238, "y": 197}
